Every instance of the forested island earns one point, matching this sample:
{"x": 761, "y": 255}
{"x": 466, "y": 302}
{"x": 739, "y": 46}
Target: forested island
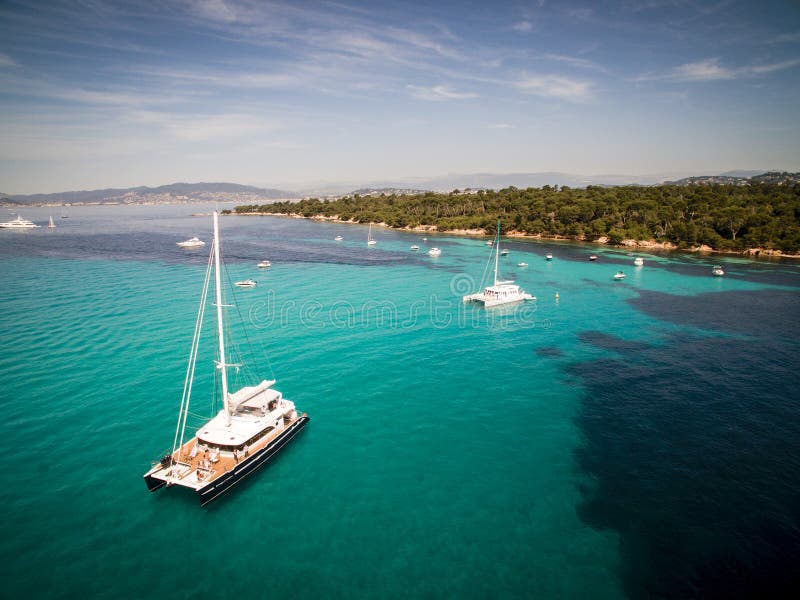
{"x": 760, "y": 217}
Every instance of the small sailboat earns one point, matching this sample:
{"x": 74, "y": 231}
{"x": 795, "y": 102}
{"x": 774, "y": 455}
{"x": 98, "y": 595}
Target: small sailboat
{"x": 51, "y": 225}
{"x": 370, "y": 241}
{"x": 254, "y": 423}
{"x": 434, "y": 252}
{"x": 264, "y": 264}
{"x": 548, "y": 256}
{"x": 638, "y": 261}
{"x": 619, "y": 276}
{"x": 247, "y": 283}
{"x": 500, "y": 292}
{"x": 717, "y": 271}
{"x": 191, "y": 243}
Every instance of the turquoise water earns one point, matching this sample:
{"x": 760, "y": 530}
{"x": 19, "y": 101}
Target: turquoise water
{"x": 446, "y": 453}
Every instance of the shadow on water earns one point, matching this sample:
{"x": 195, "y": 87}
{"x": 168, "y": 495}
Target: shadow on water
{"x": 693, "y": 449}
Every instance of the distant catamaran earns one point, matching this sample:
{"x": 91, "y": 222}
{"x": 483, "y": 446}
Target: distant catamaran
{"x": 253, "y": 425}
{"x": 500, "y": 292}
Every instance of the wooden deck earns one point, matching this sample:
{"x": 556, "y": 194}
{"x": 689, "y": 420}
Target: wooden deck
{"x": 223, "y": 465}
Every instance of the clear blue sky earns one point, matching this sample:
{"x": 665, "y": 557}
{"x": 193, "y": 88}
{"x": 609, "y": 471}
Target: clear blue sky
{"x": 106, "y": 93}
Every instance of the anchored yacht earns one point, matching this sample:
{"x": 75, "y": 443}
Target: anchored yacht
{"x": 254, "y": 424}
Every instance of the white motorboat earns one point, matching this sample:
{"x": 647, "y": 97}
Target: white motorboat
{"x": 548, "y": 256}
{"x": 434, "y": 252}
{"x": 19, "y": 223}
{"x": 504, "y": 253}
{"x": 338, "y": 238}
{"x": 638, "y": 261}
{"x": 593, "y": 257}
{"x": 500, "y": 292}
{"x": 191, "y": 243}
{"x": 370, "y": 241}
{"x": 717, "y": 271}
{"x": 254, "y": 423}
{"x": 264, "y": 264}
{"x": 415, "y": 247}
{"x": 522, "y": 264}
{"x": 247, "y": 283}
{"x": 489, "y": 242}
{"x": 619, "y": 276}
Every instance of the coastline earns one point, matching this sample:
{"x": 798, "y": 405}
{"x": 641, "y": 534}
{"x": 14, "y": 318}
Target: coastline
{"x": 601, "y": 241}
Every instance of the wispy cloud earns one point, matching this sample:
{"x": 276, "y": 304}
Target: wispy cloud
{"x": 6, "y": 61}
{"x": 574, "y": 61}
{"x": 500, "y": 126}
{"x": 704, "y": 70}
{"x": 711, "y": 69}
{"x": 439, "y": 93}
{"x": 522, "y": 26}
{"x": 555, "y": 86}
{"x": 215, "y": 10}
{"x": 204, "y": 127}
{"x": 758, "y": 69}
{"x": 786, "y": 38}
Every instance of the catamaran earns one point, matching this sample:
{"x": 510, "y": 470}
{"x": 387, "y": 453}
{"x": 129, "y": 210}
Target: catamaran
{"x": 501, "y": 292}
{"x": 254, "y": 423}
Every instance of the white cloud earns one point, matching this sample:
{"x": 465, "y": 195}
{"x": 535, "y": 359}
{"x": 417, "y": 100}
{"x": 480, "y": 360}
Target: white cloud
{"x": 758, "y": 69}
{"x": 555, "y": 86}
{"x": 705, "y": 70}
{"x": 522, "y": 26}
{"x": 710, "y": 69}
{"x": 439, "y": 92}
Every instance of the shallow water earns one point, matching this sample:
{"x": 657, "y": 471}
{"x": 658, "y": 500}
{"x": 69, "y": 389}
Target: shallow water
{"x": 634, "y": 438}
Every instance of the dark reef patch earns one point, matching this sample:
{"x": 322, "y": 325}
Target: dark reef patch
{"x": 693, "y": 446}
{"x": 549, "y": 351}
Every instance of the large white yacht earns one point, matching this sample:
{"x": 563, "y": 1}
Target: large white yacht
{"x": 500, "y": 292}
{"x": 191, "y": 243}
{"x": 19, "y": 223}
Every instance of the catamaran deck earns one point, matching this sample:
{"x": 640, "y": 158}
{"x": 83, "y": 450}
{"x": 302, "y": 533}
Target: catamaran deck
{"x": 195, "y": 458}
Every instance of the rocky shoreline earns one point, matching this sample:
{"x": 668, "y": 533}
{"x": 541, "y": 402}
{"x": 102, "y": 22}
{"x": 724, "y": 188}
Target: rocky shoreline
{"x": 601, "y": 241}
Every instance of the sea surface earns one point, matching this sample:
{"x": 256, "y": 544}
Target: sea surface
{"x": 609, "y": 440}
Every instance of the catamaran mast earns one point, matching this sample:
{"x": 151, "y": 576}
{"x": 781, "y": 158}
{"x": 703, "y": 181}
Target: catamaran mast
{"x": 497, "y": 251}
{"x": 220, "y": 333}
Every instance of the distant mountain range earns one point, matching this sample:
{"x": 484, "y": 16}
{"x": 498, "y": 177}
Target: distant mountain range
{"x": 175, "y": 192}
{"x": 245, "y": 194}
